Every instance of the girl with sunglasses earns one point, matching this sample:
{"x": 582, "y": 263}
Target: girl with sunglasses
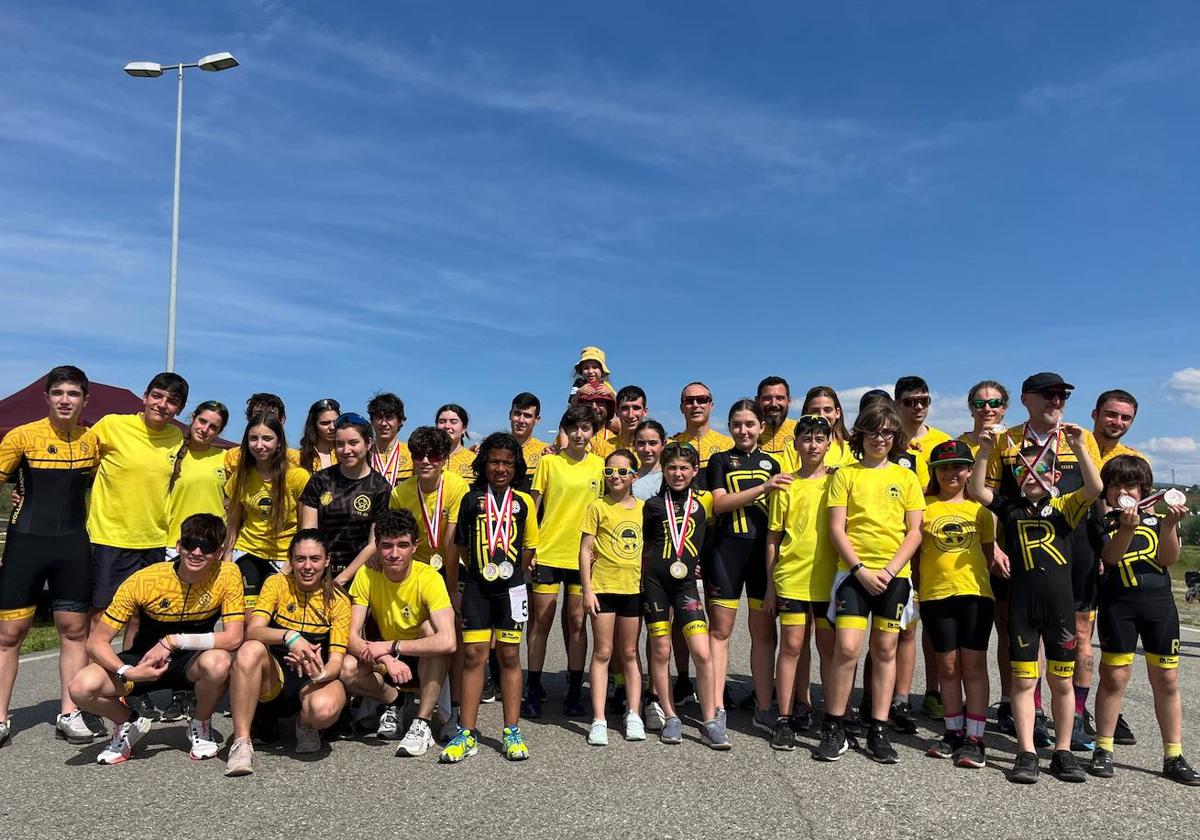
{"x": 316, "y": 443}
{"x": 610, "y": 568}
{"x": 342, "y": 501}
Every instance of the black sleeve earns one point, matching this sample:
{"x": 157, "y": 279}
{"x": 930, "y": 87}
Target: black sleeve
{"x": 1097, "y": 532}
{"x": 311, "y": 495}
{"x": 714, "y": 473}
{"x": 466, "y": 514}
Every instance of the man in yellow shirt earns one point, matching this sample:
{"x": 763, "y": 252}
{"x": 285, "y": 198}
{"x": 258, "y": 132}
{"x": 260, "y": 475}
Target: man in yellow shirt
{"x": 402, "y": 597}
{"x": 696, "y": 405}
{"x": 774, "y": 398}
{"x": 631, "y": 410}
{"x": 390, "y": 456}
{"x": 523, "y": 416}
{"x": 1112, "y": 417}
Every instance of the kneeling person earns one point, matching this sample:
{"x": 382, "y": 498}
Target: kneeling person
{"x": 410, "y": 606}
{"x": 177, "y": 604}
{"x": 292, "y": 657}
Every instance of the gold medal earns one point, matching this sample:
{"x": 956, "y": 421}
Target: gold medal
{"x": 506, "y": 570}
{"x": 435, "y": 561}
{"x": 678, "y": 570}
{"x": 490, "y": 572}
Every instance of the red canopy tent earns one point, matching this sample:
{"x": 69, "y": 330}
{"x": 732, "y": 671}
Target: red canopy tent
{"x": 29, "y": 404}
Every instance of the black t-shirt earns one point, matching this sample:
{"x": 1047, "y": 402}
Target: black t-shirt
{"x": 734, "y": 471}
{"x": 470, "y": 532}
{"x": 1138, "y": 569}
{"x": 346, "y": 507}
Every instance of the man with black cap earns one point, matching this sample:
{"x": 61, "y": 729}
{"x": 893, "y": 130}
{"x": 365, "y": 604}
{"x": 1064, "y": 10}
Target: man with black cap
{"x": 1044, "y": 396}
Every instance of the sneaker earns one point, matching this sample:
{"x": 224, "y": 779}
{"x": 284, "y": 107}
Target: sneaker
{"x": 853, "y": 722}
{"x": 308, "y": 739}
{"x": 879, "y": 746}
{"x": 515, "y": 748}
{"x": 672, "y": 731}
{"x": 901, "y": 717}
{"x": 573, "y": 706}
{"x": 461, "y": 746}
{"x": 783, "y": 737}
{"x": 1025, "y": 769}
{"x": 598, "y": 734}
{"x": 451, "y": 726}
{"x": 616, "y": 701}
{"x": 241, "y": 758}
{"x": 655, "y": 716}
{"x": 635, "y": 730}
{"x": 722, "y": 715}
{"x": 94, "y": 723}
{"x": 176, "y": 709}
{"x": 1065, "y": 767}
{"x": 1004, "y": 718}
{"x": 1089, "y": 724}
{"x": 5, "y": 732}
{"x": 531, "y": 707}
{"x": 489, "y": 687}
{"x": 802, "y": 718}
{"x": 417, "y": 740}
{"x": 204, "y": 742}
{"x": 764, "y": 720}
{"x": 932, "y": 706}
{"x": 1080, "y": 742}
{"x": 1177, "y": 769}
{"x": 124, "y": 737}
{"x": 1102, "y": 764}
{"x": 684, "y": 691}
{"x": 714, "y": 736}
{"x": 971, "y": 754}
{"x": 143, "y": 707}
{"x": 1041, "y": 730}
{"x": 1123, "y": 735}
{"x": 833, "y": 741}
{"x": 389, "y": 723}
{"x": 947, "y": 746}
{"x": 73, "y": 729}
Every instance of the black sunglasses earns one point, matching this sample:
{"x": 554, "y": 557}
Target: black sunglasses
{"x": 206, "y": 546}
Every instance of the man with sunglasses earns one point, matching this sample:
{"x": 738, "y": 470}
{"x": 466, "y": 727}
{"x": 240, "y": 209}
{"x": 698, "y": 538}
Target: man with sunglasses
{"x": 696, "y": 405}
{"x": 177, "y": 604}
{"x": 390, "y": 457}
{"x": 1113, "y": 416}
{"x": 1044, "y": 396}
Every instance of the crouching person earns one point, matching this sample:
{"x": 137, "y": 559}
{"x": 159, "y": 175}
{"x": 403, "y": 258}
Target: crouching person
{"x": 176, "y": 604}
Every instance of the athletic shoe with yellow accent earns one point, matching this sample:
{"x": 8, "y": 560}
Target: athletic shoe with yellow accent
{"x": 932, "y": 706}
{"x": 515, "y": 748}
{"x": 461, "y": 746}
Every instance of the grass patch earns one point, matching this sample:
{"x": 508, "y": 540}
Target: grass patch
{"x": 42, "y": 636}
{"x": 1189, "y": 560}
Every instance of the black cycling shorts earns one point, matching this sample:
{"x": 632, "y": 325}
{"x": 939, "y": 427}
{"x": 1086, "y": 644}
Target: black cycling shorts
{"x": 794, "y": 612}
{"x": 547, "y": 580}
{"x": 112, "y": 565}
{"x": 960, "y": 621}
{"x": 30, "y": 562}
{"x": 1148, "y": 614}
{"x": 735, "y": 564}
{"x": 487, "y": 607}
{"x": 1041, "y": 613}
{"x": 285, "y": 702}
{"x": 255, "y": 571}
{"x": 663, "y": 595}
{"x": 853, "y": 604}
{"x": 625, "y": 606}
{"x": 174, "y": 678}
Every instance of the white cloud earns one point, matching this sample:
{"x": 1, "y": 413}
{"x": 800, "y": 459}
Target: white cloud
{"x": 1178, "y": 455}
{"x": 1172, "y": 445}
{"x": 1185, "y": 386}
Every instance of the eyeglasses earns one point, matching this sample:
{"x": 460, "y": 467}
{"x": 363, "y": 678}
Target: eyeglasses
{"x": 1020, "y": 469}
{"x": 350, "y": 419}
{"x": 426, "y": 456}
{"x": 609, "y": 472}
{"x": 881, "y": 434}
{"x": 995, "y": 402}
{"x": 696, "y": 400}
{"x": 206, "y": 546}
{"x": 915, "y": 402}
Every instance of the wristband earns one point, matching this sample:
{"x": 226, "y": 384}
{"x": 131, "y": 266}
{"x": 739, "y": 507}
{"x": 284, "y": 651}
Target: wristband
{"x": 195, "y": 641}
{"x": 121, "y": 671}
{"x": 163, "y": 641}
{"x": 396, "y": 649}
{"x": 854, "y": 569}
{"x": 889, "y": 573}
{"x": 290, "y": 638}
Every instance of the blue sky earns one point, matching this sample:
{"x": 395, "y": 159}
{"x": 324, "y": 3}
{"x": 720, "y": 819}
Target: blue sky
{"x": 448, "y": 201}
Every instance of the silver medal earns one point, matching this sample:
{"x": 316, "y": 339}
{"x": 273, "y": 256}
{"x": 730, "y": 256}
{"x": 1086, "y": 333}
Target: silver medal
{"x": 506, "y": 570}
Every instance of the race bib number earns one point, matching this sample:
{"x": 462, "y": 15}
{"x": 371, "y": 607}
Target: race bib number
{"x": 518, "y": 601}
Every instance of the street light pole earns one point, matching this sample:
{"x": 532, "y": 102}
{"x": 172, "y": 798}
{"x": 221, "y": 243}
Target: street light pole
{"x": 151, "y": 69}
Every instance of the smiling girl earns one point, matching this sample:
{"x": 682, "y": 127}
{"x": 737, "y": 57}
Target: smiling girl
{"x": 198, "y": 481}
{"x": 453, "y": 420}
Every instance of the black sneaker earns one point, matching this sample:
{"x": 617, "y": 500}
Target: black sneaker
{"x": 902, "y": 718}
{"x": 532, "y": 706}
{"x": 833, "y": 741}
{"x": 176, "y": 709}
{"x": 1065, "y": 767}
{"x": 782, "y": 737}
{"x": 1123, "y": 735}
{"x": 616, "y": 701}
{"x": 1041, "y": 730}
{"x": 971, "y": 754}
{"x": 489, "y": 688}
{"x": 95, "y": 723}
{"x": 1004, "y": 718}
{"x": 802, "y": 718}
{"x": 947, "y": 745}
{"x": 1102, "y": 764}
{"x": 879, "y": 746}
{"x": 1025, "y": 769}
{"x": 1080, "y": 742}
{"x": 573, "y": 706}
{"x": 1089, "y": 723}
{"x": 1177, "y": 769}
{"x": 684, "y": 692}
{"x": 854, "y": 725}
{"x": 143, "y": 706}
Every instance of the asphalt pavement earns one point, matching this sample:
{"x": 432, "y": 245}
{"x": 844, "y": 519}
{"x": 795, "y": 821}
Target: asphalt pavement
{"x": 49, "y": 789}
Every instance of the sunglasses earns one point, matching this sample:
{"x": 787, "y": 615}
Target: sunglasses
{"x": 1055, "y": 395}
{"x": 190, "y": 544}
{"x": 995, "y": 402}
{"x": 327, "y": 405}
{"x": 609, "y": 472}
{"x": 915, "y": 402}
{"x": 427, "y": 456}
{"x": 350, "y": 419}
{"x": 1020, "y": 469}
{"x": 696, "y": 400}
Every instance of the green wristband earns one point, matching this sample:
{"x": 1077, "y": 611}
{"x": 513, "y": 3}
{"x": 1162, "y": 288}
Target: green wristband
{"x": 294, "y": 637}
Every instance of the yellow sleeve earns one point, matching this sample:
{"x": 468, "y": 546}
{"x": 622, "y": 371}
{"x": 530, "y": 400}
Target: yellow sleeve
{"x": 1093, "y": 448}
{"x": 11, "y": 452}
{"x": 531, "y": 523}
{"x": 914, "y": 498}
{"x": 777, "y": 509}
{"x": 453, "y": 500}
{"x": 541, "y": 476}
{"x": 231, "y": 482}
{"x": 985, "y": 521}
{"x": 233, "y": 600}
{"x": 1073, "y": 506}
{"x": 232, "y": 456}
{"x": 360, "y": 588}
{"x": 100, "y": 430}
{"x": 434, "y": 593}
{"x": 706, "y": 501}
{"x": 297, "y": 480}
{"x": 591, "y": 519}
{"x": 339, "y": 622}
{"x": 124, "y": 604}
{"x": 839, "y": 489}
{"x": 268, "y": 597}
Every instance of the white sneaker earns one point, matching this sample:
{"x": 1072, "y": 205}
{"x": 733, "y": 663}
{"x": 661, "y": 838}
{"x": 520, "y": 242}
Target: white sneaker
{"x": 635, "y": 729}
{"x": 389, "y": 724}
{"x": 451, "y": 726}
{"x": 73, "y": 728}
{"x": 417, "y": 740}
{"x": 125, "y": 735}
{"x": 598, "y": 734}
{"x": 656, "y": 718}
{"x": 308, "y": 739}
{"x": 241, "y": 758}
{"x": 204, "y": 744}
{"x": 5, "y": 731}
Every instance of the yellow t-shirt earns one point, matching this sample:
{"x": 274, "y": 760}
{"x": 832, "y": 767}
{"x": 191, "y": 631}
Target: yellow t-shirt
{"x": 396, "y": 465}
{"x": 233, "y": 457}
{"x": 200, "y": 488}
{"x": 566, "y": 486}
{"x": 532, "y": 450}
{"x": 601, "y": 445}
{"x": 1119, "y": 449}
{"x": 287, "y": 607}
{"x": 617, "y": 549}
{"x": 126, "y": 508}
{"x": 254, "y": 536}
{"x": 951, "y": 559}
{"x": 919, "y": 449}
{"x": 707, "y": 445}
{"x": 405, "y": 497}
{"x": 807, "y": 559}
{"x": 965, "y": 437}
{"x": 839, "y": 455}
{"x": 876, "y": 501}
{"x": 460, "y": 463}
{"x": 400, "y": 608}
{"x": 781, "y": 444}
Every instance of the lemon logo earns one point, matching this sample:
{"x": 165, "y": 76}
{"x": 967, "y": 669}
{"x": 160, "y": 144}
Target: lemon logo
{"x": 362, "y": 503}
{"x": 953, "y": 534}
{"x": 893, "y": 491}
{"x": 326, "y": 499}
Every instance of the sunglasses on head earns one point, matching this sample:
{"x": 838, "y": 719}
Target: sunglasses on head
{"x": 328, "y": 405}
{"x": 206, "y": 546}
{"x": 350, "y": 419}
{"x": 609, "y": 472}
{"x": 995, "y": 402}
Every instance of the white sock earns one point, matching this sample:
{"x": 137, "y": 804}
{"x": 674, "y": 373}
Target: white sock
{"x": 443, "y": 702}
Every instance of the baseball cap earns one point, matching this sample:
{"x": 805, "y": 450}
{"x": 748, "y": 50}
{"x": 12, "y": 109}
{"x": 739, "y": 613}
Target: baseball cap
{"x": 950, "y": 452}
{"x": 1045, "y": 382}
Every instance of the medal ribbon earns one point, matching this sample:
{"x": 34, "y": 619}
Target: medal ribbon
{"x": 1051, "y": 441}
{"x": 679, "y": 534}
{"x": 1151, "y": 500}
{"x": 433, "y": 525}
{"x": 392, "y": 466}
{"x": 501, "y": 533}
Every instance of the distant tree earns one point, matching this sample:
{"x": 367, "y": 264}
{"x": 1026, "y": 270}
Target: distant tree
{"x": 1189, "y": 530}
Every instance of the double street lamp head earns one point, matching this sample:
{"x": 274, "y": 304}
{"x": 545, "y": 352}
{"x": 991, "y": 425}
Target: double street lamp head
{"x": 211, "y": 63}
{"x": 218, "y": 61}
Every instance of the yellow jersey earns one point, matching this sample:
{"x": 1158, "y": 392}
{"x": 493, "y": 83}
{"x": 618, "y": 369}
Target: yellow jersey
{"x": 254, "y": 535}
{"x": 919, "y": 449}
{"x": 876, "y": 502}
{"x": 461, "y": 463}
{"x": 396, "y": 464}
{"x": 1117, "y": 449}
{"x": 951, "y": 561}
{"x": 617, "y": 548}
{"x": 127, "y": 508}
{"x": 200, "y": 488}
{"x": 839, "y": 455}
{"x": 399, "y": 609}
{"x": 52, "y": 472}
{"x": 781, "y": 445}
{"x": 565, "y": 486}
{"x": 407, "y": 496}
{"x": 532, "y": 449}
{"x": 233, "y": 459}
{"x": 287, "y": 607}
{"x": 807, "y": 559}
{"x": 707, "y": 445}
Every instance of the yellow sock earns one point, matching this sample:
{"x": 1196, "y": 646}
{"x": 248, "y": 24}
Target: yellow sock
{"x": 1103, "y": 743}
{"x": 619, "y": 679}
{"x": 1172, "y": 750}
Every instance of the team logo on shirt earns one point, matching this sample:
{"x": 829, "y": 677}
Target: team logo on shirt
{"x": 205, "y": 598}
{"x": 84, "y": 448}
{"x": 516, "y": 506}
{"x": 264, "y": 502}
{"x": 953, "y": 533}
{"x": 764, "y": 464}
{"x": 406, "y": 612}
{"x": 627, "y": 541}
{"x": 219, "y": 472}
{"x": 893, "y": 490}
{"x": 594, "y": 486}
{"x": 362, "y": 503}
{"x": 1151, "y": 520}
{"x": 52, "y": 449}
{"x": 326, "y": 499}
{"x": 164, "y": 603}
{"x": 905, "y": 462}
{"x": 291, "y": 607}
